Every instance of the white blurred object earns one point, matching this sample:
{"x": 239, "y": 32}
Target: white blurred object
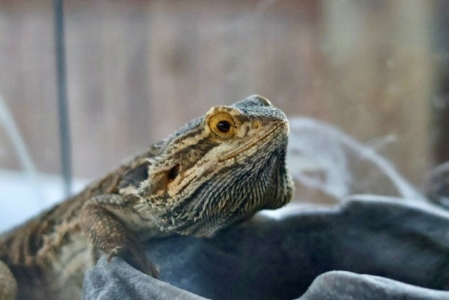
{"x": 322, "y": 157}
{"x": 24, "y": 194}
{"x": 18, "y": 202}
{"x": 8, "y": 124}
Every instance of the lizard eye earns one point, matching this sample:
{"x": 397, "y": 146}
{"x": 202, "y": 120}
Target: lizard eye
{"x": 173, "y": 173}
{"x": 222, "y": 124}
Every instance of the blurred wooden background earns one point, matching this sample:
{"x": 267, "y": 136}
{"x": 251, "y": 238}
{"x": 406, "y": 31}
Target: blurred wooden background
{"x": 137, "y": 70}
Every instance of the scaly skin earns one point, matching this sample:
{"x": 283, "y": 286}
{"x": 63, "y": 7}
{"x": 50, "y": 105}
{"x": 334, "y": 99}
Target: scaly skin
{"x": 211, "y": 173}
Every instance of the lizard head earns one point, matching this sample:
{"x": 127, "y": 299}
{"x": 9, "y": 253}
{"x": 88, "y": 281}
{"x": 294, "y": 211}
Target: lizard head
{"x": 219, "y": 169}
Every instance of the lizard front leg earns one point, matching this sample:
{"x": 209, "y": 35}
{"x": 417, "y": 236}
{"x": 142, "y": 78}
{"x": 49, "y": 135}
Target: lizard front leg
{"x": 103, "y": 220}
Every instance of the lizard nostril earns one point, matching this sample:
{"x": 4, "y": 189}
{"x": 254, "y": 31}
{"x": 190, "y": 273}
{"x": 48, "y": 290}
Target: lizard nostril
{"x": 256, "y": 124}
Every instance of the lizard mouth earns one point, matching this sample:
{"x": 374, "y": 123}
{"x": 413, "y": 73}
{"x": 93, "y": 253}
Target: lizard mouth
{"x": 250, "y": 145}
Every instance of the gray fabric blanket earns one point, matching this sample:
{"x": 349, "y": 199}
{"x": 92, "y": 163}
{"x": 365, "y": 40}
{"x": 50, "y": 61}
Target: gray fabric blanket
{"x": 362, "y": 249}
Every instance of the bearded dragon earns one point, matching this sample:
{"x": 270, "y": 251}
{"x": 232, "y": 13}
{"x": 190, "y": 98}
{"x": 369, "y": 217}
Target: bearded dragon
{"x": 215, "y": 171}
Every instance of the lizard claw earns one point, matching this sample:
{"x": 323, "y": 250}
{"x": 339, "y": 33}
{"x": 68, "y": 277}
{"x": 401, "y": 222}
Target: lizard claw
{"x": 136, "y": 259}
{"x": 113, "y": 253}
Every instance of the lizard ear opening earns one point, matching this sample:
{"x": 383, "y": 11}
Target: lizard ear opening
{"x": 173, "y": 172}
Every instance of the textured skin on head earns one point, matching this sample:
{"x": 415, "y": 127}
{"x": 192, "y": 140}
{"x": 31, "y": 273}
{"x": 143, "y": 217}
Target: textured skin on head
{"x": 214, "y": 171}
{"x": 225, "y": 178}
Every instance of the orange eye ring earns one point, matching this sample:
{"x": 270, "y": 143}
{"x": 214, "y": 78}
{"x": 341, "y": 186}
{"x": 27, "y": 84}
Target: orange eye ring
{"x": 222, "y": 124}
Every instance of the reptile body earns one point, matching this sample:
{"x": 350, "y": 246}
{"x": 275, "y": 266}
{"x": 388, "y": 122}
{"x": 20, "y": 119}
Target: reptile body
{"x": 215, "y": 171}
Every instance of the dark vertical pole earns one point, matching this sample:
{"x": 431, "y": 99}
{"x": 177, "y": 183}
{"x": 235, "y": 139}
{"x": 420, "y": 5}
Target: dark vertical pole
{"x": 64, "y": 130}
{"x": 440, "y": 125}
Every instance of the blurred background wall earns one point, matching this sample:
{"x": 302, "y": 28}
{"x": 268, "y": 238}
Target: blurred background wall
{"x": 137, "y": 70}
